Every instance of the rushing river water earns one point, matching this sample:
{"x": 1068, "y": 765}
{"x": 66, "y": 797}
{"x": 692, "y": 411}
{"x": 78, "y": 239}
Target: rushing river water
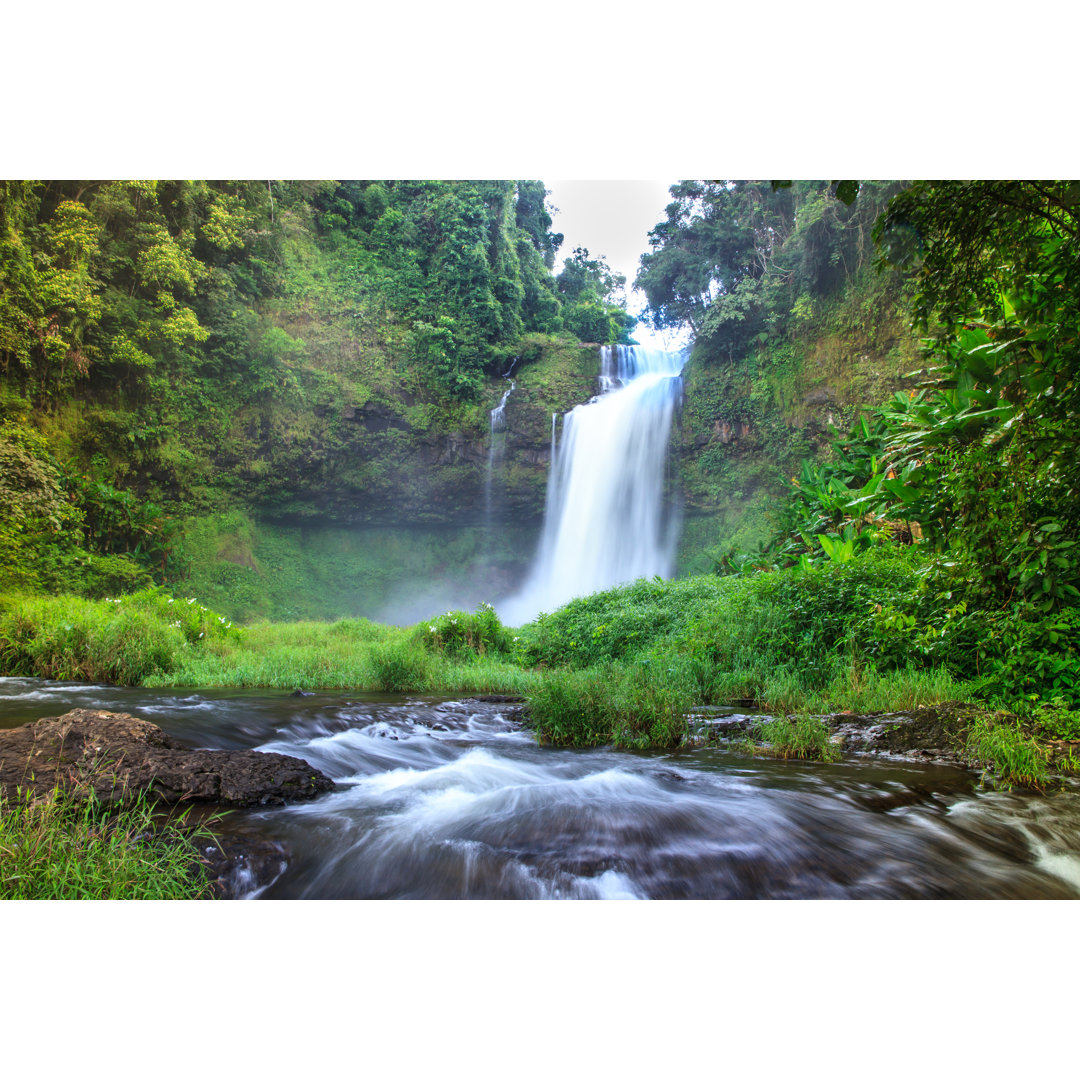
{"x": 454, "y": 800}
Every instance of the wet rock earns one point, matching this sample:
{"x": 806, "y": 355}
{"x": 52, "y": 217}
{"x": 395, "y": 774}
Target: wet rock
{"x": 726, "y": 726}
{"x": 116, "y": 754}
{"x": 511, "y": 707}
{"x": 931, "y": 735}
{"x": 302, "y": 693}
{"x": 925, "y": 734}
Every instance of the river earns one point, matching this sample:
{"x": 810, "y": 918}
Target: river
{"x": 442, "y": 799}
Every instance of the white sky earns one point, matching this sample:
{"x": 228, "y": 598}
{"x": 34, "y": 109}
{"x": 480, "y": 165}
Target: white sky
{"x": 612, "y": 218}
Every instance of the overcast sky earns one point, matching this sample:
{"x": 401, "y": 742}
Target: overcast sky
{"x": 612, "y": 218}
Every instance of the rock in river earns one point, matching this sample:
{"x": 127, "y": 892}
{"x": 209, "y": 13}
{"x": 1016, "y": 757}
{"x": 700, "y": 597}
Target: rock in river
{"x": 116, "y": 753}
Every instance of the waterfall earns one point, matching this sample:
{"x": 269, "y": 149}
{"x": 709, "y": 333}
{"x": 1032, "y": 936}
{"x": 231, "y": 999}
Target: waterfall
{"x": 497, "y": 441}
{"x": 605, "y": 521}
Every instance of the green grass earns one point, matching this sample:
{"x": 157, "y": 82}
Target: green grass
{"x": 623, "y": 666}
{"x": 630, "y": 707}
{"x": 123, "y": 640}
{"x": 1014, "y": 756}
{"x": 853, "y": 686}
{"x": 64, "y": 847}
{"x": 358, "y": 654}
{"x": 804, "y": 737}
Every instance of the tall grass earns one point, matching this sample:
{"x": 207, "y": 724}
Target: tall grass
{"x": 124, "y": 640}
{"x": 804, "y": 737}
{"x": 853, "y": 686}
{"x": 631, "y": 707}
{"x": 66, "y": 847}
{"x": 1014, "y": 756}
{"x": 358, "y": 654}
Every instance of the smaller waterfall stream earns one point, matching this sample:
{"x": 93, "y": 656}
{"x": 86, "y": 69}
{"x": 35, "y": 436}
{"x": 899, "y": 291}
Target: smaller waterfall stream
{"x": 605, "y": 521}
{"x": 496, "y": 444}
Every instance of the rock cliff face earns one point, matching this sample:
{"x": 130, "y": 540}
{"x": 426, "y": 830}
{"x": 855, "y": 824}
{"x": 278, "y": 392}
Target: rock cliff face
{"x": 388, "y": 506}
{"x": 395, "y": 461}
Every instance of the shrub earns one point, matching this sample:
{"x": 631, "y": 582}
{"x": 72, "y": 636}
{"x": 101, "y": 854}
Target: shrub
{"x": 621, "y": 623}
{"x": 634, "y": 707}
{"x": 1026, "y": 654}
{"x": 804, "y": 737}
{"x": 458, "y": 634}
{"x": 123, "y": 640}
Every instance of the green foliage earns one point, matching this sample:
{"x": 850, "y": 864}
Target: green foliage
{"x": 116, "y": 522}
{"x": 123, "y": 640}
{"x": 977, "y": 464}
{"x": 459, "y": 633}
{"x": 399, "y": 666}
{"x": 1024, "y": 654}
{"x": 620, "y": 623}
{"x": 985, "y": 452}
{"x": 531, "y": 214}
{"x": 70, "y": 846}
{"x": 826, "y": 515}
{"x": 734, "y": 258}
{"x": 184, "y": 310}
{"x": 595, "y": 310}
{"x": 1016, "y": 758}
{"x": 61, "y": 530}
{"x": 1055, "y": 720}
{"x": 631, "y": 707}
{"x": 436, "y": 349}
{"x": 588, "y": 321}
{"x": 804, "y": 737}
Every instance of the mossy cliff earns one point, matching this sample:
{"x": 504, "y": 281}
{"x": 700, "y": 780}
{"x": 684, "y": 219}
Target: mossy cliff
{"x": 748, "y": 420}
{"x": 372, "y": 514}
{"x": 390, "y": 455}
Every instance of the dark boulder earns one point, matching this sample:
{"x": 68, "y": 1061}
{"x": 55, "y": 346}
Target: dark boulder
{"x": 116, "y": 754}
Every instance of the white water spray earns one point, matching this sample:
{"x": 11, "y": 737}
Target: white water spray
{"x": 605, "y": 522}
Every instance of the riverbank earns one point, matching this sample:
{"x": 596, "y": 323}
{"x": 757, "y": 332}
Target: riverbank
{"x": 963, "y": 735}
{"x": 624, "y": 667}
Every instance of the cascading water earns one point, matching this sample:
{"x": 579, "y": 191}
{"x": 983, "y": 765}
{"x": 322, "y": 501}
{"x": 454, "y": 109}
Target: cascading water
{"x": 455, "y": 800}
{"x": 605, "y": 522}
{"x": 497, "y": 443}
